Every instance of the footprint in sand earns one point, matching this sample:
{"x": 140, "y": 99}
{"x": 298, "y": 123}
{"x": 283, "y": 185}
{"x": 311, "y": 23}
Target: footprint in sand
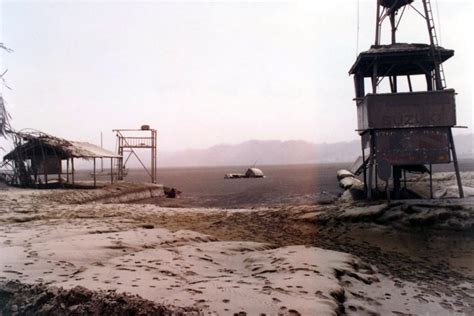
{"x": 293, "y": 312}
{"x": 12, "y": 271}
{"x": 352, "y": 308}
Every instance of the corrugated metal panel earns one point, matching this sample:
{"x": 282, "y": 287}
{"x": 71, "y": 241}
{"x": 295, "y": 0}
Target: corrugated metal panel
{"x": 402, "y": 110}
{"x": 413, "y": 146}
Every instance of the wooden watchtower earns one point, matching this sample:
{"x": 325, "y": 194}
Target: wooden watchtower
{"x": 403, "y": 130}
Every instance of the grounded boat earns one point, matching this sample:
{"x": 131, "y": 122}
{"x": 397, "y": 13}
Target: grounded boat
{"x": 250, "y": 173}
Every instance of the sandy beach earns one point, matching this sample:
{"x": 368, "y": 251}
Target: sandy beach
{"x": 236, "y": 158}
{"x": 410, "y": 257}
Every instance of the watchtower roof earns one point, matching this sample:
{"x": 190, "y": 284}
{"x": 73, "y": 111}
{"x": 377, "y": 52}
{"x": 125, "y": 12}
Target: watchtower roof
{"x": 399, "y": 59}
{"x": 396, "y": 4}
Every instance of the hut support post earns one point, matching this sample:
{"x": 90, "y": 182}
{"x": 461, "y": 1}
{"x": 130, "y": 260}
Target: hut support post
{"x": 72, "y": 170}
{"x": 45, "y": 174}
{"x": 111, "y": 170}
{"x": 60, "y": 180}
{"x": 67, "y": 170}
{"x": 95, "y": 181}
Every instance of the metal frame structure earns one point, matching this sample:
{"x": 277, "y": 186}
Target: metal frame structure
{"x": 404, "y": 131}
{"x": 127, "y": 142}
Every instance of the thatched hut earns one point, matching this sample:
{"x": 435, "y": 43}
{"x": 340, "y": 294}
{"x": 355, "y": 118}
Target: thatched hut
{"x": 38, "y": 154}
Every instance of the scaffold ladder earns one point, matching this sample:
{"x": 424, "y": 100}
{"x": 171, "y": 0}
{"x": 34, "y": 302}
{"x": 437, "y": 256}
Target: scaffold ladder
{"x": 434, "y": 44}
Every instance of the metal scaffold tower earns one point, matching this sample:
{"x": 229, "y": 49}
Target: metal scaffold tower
{"x": 403, "y": 131}
{"x": 128, "y": 141}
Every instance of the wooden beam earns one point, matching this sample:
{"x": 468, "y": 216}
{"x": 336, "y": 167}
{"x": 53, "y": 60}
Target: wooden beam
{"x": 67, "y": 170}
{"x": 95, "y": 181}
{"x": 111, "y": 170}
{"x": 72, "y": 169}
{"x": 60, "y": 171}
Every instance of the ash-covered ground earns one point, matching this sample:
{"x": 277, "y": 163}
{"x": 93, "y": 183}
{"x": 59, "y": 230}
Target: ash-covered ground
{"x": 345, "y": 257}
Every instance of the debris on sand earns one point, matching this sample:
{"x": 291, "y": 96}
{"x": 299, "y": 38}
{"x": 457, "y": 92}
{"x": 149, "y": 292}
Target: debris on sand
{"x": 172, "y": 193}
{"x": 354, "y": 188}
{"x": 347, "y": 179}
{"x": 24, "y": 299}
{"x": 452, "y": 214}
{"x": 444, "y": 185}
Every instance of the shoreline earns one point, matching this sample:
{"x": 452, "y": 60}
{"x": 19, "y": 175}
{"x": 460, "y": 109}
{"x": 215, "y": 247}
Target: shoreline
{"x": 294, "y": 260}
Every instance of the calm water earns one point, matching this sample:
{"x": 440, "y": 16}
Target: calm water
{"x": 283, "y": 185}
{"x": 295, "y": 184}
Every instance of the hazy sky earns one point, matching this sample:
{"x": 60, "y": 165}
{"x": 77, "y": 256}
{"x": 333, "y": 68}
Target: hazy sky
{"x": 203, "y": 73}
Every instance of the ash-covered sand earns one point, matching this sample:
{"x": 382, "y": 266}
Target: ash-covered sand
{"x": 329, "y": 259}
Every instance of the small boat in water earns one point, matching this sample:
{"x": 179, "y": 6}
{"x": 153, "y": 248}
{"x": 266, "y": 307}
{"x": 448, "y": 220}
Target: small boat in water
{"x": 251, "y": 173}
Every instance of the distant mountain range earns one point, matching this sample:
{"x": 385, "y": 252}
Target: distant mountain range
{"x": 273, "y": 152}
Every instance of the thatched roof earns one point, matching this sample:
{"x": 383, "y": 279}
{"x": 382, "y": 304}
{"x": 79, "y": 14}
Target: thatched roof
{"x": 40, "y": 144}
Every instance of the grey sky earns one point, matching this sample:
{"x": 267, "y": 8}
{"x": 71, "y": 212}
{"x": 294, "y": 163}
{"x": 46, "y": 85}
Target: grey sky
{"x": 203, "y": 73}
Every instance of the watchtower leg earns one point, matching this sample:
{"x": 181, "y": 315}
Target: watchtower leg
{"x": 371, "y": 167}
{"x": 364, "y": 166}
{"x": 397, "y": 175}
{"x": 456, "y": 166}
